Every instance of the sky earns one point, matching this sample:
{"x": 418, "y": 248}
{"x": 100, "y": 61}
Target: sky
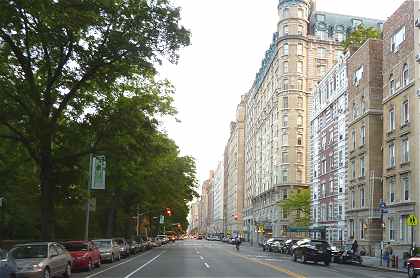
{"x": 228, "y": 42}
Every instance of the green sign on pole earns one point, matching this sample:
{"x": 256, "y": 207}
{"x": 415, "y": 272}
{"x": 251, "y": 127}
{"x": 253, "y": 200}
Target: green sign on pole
{"x": 162, "y": 219}
{"x": 98, "y": 172}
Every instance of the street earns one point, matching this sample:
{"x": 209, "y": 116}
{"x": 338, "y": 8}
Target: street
{"x": 194, "y": 258}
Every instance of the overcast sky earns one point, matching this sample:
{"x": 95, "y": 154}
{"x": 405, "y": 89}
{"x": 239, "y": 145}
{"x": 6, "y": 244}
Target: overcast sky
{"x": 229, "y": 39}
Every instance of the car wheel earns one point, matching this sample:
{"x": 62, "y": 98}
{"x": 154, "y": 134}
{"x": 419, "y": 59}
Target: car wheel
{"x": 303, "y": 259}
{"x": 412, "y": 272}
{"x": 112, "y": 258}
{"x": 294, "y": 257}
{"x": 67, "y": 271}
{"x": 46, "y": 273}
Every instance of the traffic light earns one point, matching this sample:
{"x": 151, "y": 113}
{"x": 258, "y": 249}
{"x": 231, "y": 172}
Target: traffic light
{"x": 168, "y": 212}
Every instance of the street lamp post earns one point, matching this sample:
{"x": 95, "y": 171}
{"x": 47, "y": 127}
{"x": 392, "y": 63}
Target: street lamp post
{"x": 382, "y": 207}
{"x": 88, "y": 197}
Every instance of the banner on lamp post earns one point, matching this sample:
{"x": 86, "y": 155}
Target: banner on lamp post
{"x": 98, "y": 172}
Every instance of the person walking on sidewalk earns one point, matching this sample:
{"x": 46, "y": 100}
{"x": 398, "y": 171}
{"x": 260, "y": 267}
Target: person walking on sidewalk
{"x": 354, "y": 247}
{"x": 387, "y": 254}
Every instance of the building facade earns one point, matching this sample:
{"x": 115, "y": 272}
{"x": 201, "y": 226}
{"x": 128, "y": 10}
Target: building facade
{"x": 307, "y": 43}
{"x": 364, "y": 125}
{"x": 235, "y": 175}
{"x": 401, "y": 125}
{"x": 328, "y": 152}
{"x": 218, "y": 199}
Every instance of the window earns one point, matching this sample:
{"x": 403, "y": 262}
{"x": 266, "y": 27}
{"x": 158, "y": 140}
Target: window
{"x": 391, "y": 155}
{"x": 405, "y": 75}
{"x": 286, "y": 30}
{"x": 339, "y": 37}
{"x": 405, "y": 151}
{"x": 362, "y": 228}
{"x": 286, "y": 49}
{"x": 285, "y": 84}
{"x": 391, "y": 116}
{"x": 299, "y": 157}
{"x": 299, "y": 140}
{"x": 340, "y": 212}
{"x": 405, "y": 112}
{"x": 391, "y": 86}
{"x": 391, "y": 229}
{"x": 300, "y": 67}
{"x": 299, "y": 176}
{"x": 363, "y": 106}
{"x": 285, "y": 11}
{"x": 285, "y": 67}
{"x": 362, "y": 197}
{"x": 285, "y": 102}
{"x": 340, "y": 158}
{"x": 391, "y": 185}
{"x": 353, "y": 199}
{"x": 323, "y": 191}
{"x": 362, "y": 166}
{"x": 321, "y": 52}
{"x": 284, "y": 175}
{"x": 284, "y": 157}
{"x": 405, "y": 185}
{"x": 357, "y": 76}
{"x": 300, "y": 12}
{"x": 300, "y": 30}
{"x": 353, "y": 139}
{"x": 351, "y": 228}
{"x": 285, "y": 121}
{"x": 355, "y": 110}
{"x": 321, "y": 35}
{"x": 353, "y": 169}
{"x": 285, "y": 139}
{"x": 397, "y": 39}
{"x": 321, "y": 69}
{"x": 300, "y": 87}
{"x": 405, "y": 230}
{"x": 300, "y": 49}
{"x": 300, "y": 121}
{"x": 362, "y": 135}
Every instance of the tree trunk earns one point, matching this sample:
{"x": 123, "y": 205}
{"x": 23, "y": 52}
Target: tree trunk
{"x": 47, "y": 191}
{"x": 111, "y": 221}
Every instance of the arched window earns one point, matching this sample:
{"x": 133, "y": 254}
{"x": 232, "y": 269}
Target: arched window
{"x": 405, "y": 75}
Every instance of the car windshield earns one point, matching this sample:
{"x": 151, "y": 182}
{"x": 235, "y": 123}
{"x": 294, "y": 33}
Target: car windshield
{"x": 120, "y": 241}
{"x": 319, "y": 244}
{"x": 76, "y": 246}
{"x": 29, "y": 252}
{"x": 103, "y": 243}
{"x": 3, "y": 254}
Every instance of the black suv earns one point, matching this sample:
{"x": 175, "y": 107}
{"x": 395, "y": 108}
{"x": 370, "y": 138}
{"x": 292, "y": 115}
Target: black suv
{"x": 312, "y": 250}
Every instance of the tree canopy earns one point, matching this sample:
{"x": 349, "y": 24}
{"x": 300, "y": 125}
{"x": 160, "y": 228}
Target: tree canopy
{"x": 360, "y": 35}
{"x": 299, "y": 202}
{"x": 78, "y": 77}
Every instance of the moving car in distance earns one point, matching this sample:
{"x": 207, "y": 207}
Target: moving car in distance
{"x": 124, "y": 247}
{"x": 85, "y": 254}
{"x": 8, "y": 267}
{"x": 109, "y": 249}
{"x": 312, "y": 250}
{"x": 41, "y": 259}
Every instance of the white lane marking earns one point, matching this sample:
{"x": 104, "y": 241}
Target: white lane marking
{"x": 201, "y": 257}
{"x": 207, "y": 265}
{"x": 143, "y": 266}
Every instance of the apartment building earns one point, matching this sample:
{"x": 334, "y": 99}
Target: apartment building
{"x": 364, "y": 164}
{"x": 235, "y": 173}
{"x": 306, "y": 45}
{"x": 401, "y": 124}
{"x": 218, "y": 199}
{"x": 328, "y": 152}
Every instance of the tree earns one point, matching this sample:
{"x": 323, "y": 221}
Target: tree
{"x": 60, "y": 60}
{"x": 360, "y": 35}
{"x": 300, "y": 203}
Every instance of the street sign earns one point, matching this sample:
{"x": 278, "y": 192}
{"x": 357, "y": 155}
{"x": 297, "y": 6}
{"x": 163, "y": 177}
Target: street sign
{"x": 98, "y": 172}
{"x": 412, "y": 220}
{"x": 162, "y": 219}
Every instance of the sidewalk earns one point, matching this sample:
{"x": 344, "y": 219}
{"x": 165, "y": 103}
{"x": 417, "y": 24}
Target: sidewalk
{"x": 374, "y": 262}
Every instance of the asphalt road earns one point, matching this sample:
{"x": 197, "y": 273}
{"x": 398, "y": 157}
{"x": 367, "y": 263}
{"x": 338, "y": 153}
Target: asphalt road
{"x": 215, "y": 259}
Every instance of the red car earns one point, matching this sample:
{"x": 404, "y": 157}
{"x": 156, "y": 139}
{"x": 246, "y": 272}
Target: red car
{"x": 413, "y": 266}
{"x": 85, "y": 254}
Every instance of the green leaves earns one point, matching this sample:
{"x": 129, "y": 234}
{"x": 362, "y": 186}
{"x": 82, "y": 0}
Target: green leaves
{"x": 358, "y": 37}
{"x": 299, "y": 202}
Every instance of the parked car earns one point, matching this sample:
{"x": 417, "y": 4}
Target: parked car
{"x": 109, "y": 249}
{"x": 163, "y": 238}
{"x": 8, "y": 267}
{"x": 312, "y": 250}
{"x": 42, "y": 259}
{"x": 346, "y": 255}
{"x": 85, "y": 254}
{"x": 288, "y": 246}
{"x": 156, "y": 242}
{"x": 124, "y": 247}
{"x": 267, "y": 244}
{"x": 277, "y": 246}
{"x": 413, "y": 267}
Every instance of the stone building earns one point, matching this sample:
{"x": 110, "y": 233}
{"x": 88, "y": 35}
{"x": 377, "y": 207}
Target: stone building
{"x": 218, "y": 199}
{"x": 401, "y": 124}
{"x": 306, "y": 45}
{"x": 328, "y": 152}
{"x": 364, "y": 141}
{"x": 235, "y": 173}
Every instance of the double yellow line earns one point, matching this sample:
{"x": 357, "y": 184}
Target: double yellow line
{"x": 277, "y": 268}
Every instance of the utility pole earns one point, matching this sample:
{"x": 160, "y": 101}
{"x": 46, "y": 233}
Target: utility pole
{"x": 137, "y": 221}
{"x": 89, "y": 184}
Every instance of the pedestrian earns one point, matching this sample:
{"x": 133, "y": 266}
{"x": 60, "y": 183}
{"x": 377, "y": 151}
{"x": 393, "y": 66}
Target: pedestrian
{"x": 354, "y": 247}
{"x": 387, "y": 253}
